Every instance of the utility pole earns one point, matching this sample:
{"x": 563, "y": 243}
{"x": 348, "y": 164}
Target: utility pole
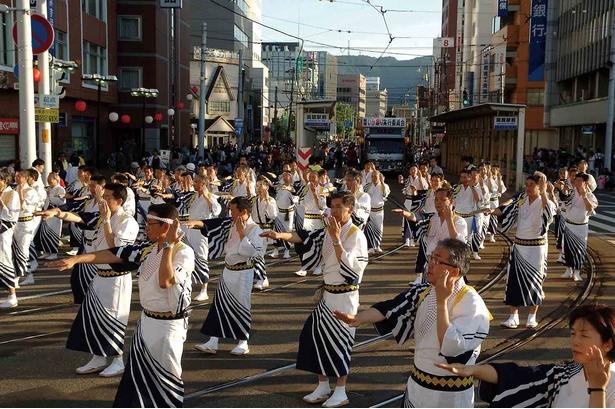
{"x": 240, "y": 100}
{"x": 275, "y": 116}
{"x": 27, "y": 140}
{"x": 202, "y": 93}
{"x": 290, "y": 104}
{"x": 44, "y": 128}
{"x": 608, "y": 142}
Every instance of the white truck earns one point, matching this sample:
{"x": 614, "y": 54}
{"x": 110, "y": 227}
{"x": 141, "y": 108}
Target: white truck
{"x": 384, "y": 143}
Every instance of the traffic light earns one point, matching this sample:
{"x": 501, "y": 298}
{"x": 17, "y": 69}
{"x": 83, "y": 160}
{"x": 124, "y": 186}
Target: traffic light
{"x": 466, "y": 98}
{"x": 58, "y": 75}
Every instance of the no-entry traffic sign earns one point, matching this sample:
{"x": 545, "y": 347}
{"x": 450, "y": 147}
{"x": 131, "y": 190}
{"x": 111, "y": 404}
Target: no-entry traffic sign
{"x": 42, "y": 34}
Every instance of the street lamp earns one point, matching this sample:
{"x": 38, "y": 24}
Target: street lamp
{"x": 100, "y": 81}
{"x": 144, "y": 93}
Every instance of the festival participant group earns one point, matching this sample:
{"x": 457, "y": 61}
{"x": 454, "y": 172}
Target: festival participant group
{"x": 164, "y": 230}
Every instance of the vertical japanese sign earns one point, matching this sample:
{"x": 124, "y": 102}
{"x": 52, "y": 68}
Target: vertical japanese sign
{"x": 484, "y": 77}
{"x": 51, "y": 16}
{"x": 502, "y": 8}
{"x": 538, "y": 37}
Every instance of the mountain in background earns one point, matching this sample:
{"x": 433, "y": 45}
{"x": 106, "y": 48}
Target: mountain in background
{"x": 398, "y": 77}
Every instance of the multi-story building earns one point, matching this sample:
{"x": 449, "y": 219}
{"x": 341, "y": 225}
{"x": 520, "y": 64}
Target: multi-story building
{"x": 153, "y": 52}
{"x": 85, "y": 32}
{"x": 243, "y": 35}
{"x": 325, "y": 64}
{"x": 578, "y": 66}
{"x": 352, "y": 90}
{"x": 445, "y": 56}
{"x": 377, "y": 99}
{"x": 291, "y": 77}
{"x": 512, "y": 68}
{"x": 474, "y": 29}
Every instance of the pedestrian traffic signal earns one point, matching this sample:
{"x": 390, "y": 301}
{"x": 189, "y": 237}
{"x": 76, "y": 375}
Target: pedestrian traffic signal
{"x": 466, "y": 98}
{"x": 58, "y": 75}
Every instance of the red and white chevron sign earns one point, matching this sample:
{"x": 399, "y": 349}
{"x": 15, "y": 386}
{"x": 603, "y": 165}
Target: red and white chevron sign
{"x": 303, "y": 157}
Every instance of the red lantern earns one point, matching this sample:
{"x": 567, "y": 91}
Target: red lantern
{"x": 195, "y": 90}
{"x": 180, "y": 105}
{"x": 158, "y": 117}
{"x": 36, "y": 74}
{"x": 80, "y": 106}
{"x": 125, "y": 119}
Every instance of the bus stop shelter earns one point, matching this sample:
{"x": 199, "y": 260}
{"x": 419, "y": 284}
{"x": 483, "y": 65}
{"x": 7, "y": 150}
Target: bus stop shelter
{"x": 488, "y": 132}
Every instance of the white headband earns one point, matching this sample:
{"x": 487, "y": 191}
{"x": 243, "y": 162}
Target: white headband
{"x": 160, "y": 219}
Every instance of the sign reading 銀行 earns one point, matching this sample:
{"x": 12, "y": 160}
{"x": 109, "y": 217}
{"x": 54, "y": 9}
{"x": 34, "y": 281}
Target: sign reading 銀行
{"x": 505, "y": 123}
{"x": 537, "y": 42}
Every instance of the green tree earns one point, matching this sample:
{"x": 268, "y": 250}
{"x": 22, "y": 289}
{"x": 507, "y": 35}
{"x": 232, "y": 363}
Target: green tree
{"x": 345, "y": 113}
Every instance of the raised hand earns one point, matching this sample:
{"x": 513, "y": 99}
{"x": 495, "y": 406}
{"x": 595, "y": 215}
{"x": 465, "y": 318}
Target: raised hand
{"x": 105, "y": 212}
{"x": 445, "y": 286}
{"x": 334, "y": 228}
{"x": 346, "y": 318}
{"x": 174, "y": 235}
{"x": 456, "y": 369}
{"x": 193, "y": 224}
{"x": 269, "y": 235}
{"x": 62, "y": 264}
{"x": 597, "y": 369}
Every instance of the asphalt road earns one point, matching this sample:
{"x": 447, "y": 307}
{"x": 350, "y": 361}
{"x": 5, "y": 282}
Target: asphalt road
{"x": 38, "y": 371}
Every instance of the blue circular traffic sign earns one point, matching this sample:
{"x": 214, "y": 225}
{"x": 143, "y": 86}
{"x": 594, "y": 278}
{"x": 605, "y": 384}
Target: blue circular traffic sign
{"x": 42, "y": 34}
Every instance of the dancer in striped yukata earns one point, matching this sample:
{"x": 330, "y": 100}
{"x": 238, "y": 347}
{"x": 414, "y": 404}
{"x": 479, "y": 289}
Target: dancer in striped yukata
{"x": 199, "y": 205}
{"x": 588, "y": 382}
{"x": 378, "y": 192}
{"x": 531, "y": 211}
{"x": 230, "y": 316}
{"x": 285, "y": 220}
{"x": 145, "y": 190}
{"x": 76, "y": 194}
{"x": 47, "y": 238}
{"x": 9, "y": 214}
{"x": 449, "y": 321}
{"x": 497, "y": 188}
{"x": 26, "y": 225}
{"x": 580, "y": 205}
{"x": 100, "y": 325}
{"x": 362, "y": 201}
{"x": 325, "y": 344}
{"x": 413, "y": 184}
{"x": 468, "y": 197}
{"x": 433, "y": 227}
{"x": 152, "y": 377}
{"x": 264, "y": 212}
{"x": 562, "y": 189}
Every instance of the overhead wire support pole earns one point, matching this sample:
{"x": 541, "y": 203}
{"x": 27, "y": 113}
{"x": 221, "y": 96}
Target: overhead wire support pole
{"x": 27, "y": 140}
{"x": 608, "y": 141}
{"x": 44, "y": 128}
{"x": 202, "y": 92}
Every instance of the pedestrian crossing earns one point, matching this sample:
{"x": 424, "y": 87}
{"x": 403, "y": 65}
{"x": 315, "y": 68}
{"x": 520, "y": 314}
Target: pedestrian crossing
{"x": 603, "y": 222}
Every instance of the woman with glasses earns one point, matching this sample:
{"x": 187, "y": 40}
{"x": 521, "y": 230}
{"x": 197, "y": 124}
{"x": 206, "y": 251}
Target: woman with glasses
{"x": 531, "y": 211}
{"x": 588, "y": 382}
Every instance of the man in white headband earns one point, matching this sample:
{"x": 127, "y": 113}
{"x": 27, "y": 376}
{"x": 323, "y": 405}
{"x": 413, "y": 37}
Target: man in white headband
{"x": 165, "y": 266}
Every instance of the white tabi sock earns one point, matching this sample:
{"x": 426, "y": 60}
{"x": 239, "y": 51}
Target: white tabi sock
{"x": 515, "y": 317}
{"x": 213, "y": 342}
{"x": 339, "y": 392}
{"x": 531, "y": 317}
{"x": 323, "y": 388}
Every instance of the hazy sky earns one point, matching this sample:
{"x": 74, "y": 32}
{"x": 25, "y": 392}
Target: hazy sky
{"x": 412, "y": 23}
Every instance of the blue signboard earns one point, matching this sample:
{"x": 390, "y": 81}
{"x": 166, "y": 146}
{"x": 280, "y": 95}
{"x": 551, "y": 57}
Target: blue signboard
{"x": 51, "y": 16}
{"x": 249, "y": 124}
{"x": 502, "y": 8}
{"x": 238, "y": 126}
{"x": 538, "y": 39}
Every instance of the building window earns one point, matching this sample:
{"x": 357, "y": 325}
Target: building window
{"x": 129, "y": 28}
{"x": 218, "y": 107}
{"x": 62, "y": 45}
{"x": 95, "y": 8}
{"x": 7, "y": 47}
{"x": 94, "y": 59}
{"x": 241, "y": 36}
{"x": 536, "y": 97}
{"x": 130, "y": 77}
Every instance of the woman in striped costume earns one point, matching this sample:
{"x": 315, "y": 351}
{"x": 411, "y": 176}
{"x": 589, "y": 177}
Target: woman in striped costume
{"x": 531, "y": 211}
{"x": 47, "y": 238}
{"x": 325, "y": 344}
{"x": 378, "y": 192}
{"x": 9, "y": 213}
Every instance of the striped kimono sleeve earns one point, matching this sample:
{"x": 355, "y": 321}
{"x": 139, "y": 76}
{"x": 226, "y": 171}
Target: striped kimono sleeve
{"x": 510, "y": 212}
{"x": 310, "y": 249}
{"x": 217, "y": 231}
{"x": 183, "y": 266}
{"x": 354, "y": 261}
{"x": 131, "y": 255}
{"x": 418, "y": 202}
{"x": 526, "y": 387}
{"x": 400, "y": 313}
